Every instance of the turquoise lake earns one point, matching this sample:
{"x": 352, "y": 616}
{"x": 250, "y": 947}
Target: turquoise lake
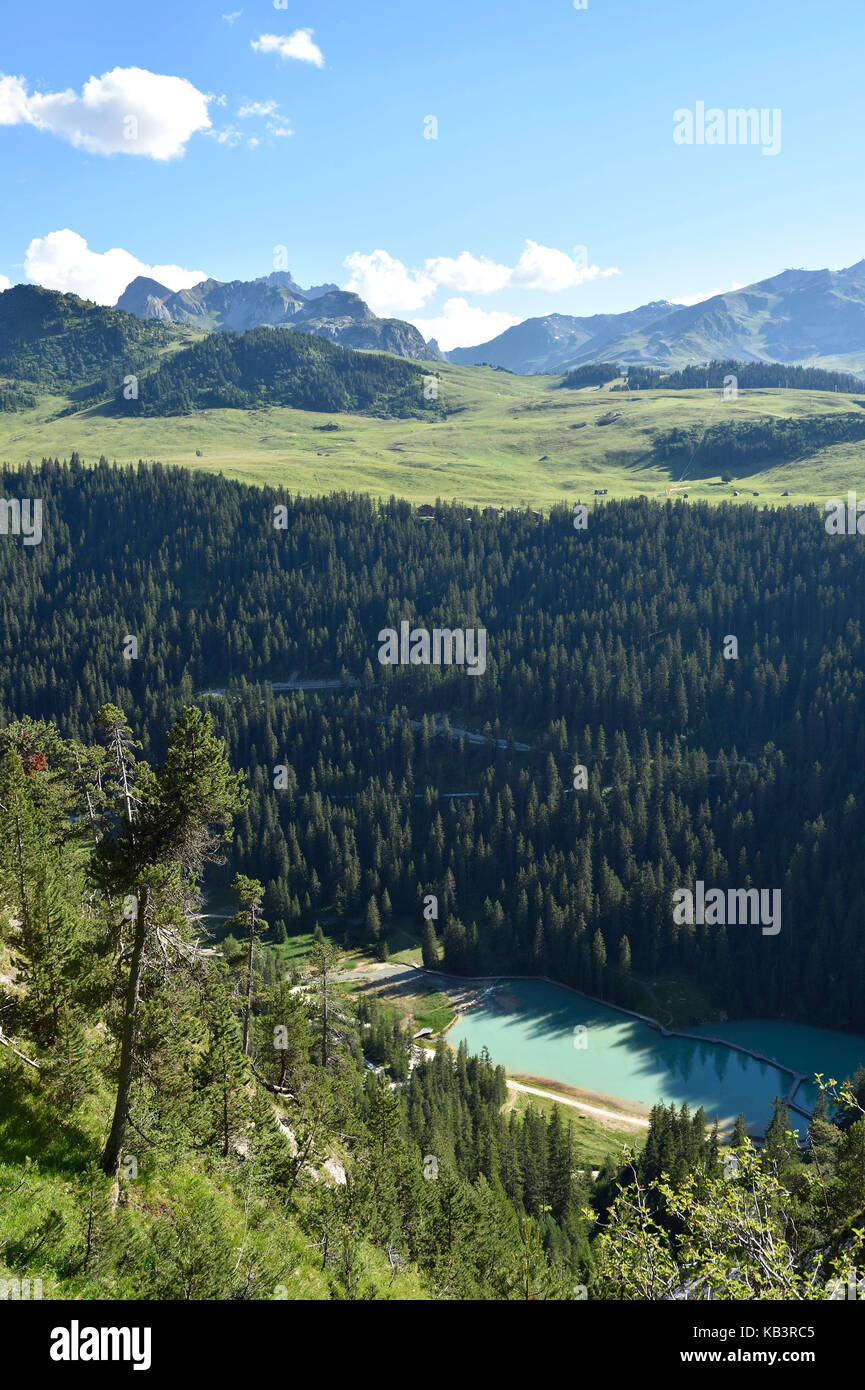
{"x": 529, "y": 1028}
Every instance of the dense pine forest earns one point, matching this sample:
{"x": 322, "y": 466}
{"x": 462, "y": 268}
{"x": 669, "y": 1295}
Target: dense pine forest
{"x": 726, "y": 447}
{"x": 749, "y": 376}
{"x": 164, "y": 1107}
{"x": 605, "y": 651}
{"x": 279, "y": 366}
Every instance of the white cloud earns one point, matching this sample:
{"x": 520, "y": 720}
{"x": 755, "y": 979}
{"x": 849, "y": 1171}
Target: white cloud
{"x": 63, "y": 261}
{"x": 389, "y": 286}
{"x": 257, "y": 108}
{"x": 462, "y": 325}
{"x": 125, "y": 111}
{"x": 691, "y": 299}
{"x": 253, "y": 142}
{"x": 545, "y": 268}
{"x": 386, "y": 284}
{"x": 229, "y": 136}
{"x": 5, "y": 284}
{"x": 467, "y": 272}
{"x": 280, "y": 130}
{"x": 539, "y": 268}
{"x": 297, "y": 45}
{"x": 13, "y": 101}
{"x": 230, "y": 18}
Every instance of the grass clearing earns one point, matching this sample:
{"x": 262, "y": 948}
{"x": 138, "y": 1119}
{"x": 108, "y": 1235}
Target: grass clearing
{"x": 507, "y": 440}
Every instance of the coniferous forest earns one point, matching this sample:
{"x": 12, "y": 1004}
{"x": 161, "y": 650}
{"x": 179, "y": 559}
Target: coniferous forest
{"x": 164, "y": 1103}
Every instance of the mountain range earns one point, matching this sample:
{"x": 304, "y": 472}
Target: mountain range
{"x": 271, "y": 301}
{"x": 59, "y": 341}
{"x": 807, "y": 316}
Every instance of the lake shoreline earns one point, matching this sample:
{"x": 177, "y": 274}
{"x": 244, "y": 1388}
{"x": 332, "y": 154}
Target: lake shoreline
{"x": 471, "y": 990}
{"x": 616, "y": 1105}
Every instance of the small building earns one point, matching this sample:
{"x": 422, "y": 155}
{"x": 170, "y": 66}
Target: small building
{"x": 426, "y": 510}
{"x": 600, "y": 492}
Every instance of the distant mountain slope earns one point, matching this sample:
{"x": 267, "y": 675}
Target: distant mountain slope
{"x": 807, "y": 316}
{"x": 558, "y": 341}
{"x": 797, "y": 316}
{"x": 61, "y": 342}
{"x": 278, "y": 366}
{"x": 273, "y": 300}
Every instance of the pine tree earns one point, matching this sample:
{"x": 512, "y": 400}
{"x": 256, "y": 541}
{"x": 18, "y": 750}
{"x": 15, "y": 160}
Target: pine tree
{"x": 249, "y": 893}
{"x": 429, "y": 947}
{"x": 372, "y": 920}
{"x": 172, "y": 822}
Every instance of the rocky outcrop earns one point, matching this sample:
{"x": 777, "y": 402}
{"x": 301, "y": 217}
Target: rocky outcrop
{"x": 273, "y": 300}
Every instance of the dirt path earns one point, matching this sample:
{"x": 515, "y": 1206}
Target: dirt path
{"x": 612, "y": 1117}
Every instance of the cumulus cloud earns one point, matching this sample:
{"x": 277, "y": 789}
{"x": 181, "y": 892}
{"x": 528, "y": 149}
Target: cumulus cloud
{"x": 690, "y": 299}
{"x": 256, "y": 108}
{"x": 461, "y": 324}
{"x": 476, "y": 275}
{"x": 62, "y": 260}
{"x": 545, "y": 268}
{"x": 125, "y": 111}
{"x": 389, "y": 286}
{"x": 386, "y": 284}
{"x": 5, "y": 284}
{"x": 298, "y": 45}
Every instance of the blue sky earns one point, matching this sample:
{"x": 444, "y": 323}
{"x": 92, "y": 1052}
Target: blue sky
{"x": 555, "y": 132}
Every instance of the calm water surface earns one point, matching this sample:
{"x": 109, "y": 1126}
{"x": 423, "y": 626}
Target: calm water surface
{"x": 535, "y": 1029}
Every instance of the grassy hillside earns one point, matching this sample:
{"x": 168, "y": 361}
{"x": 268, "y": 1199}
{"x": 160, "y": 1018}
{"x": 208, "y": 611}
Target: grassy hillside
{"x": 175, "y": 1233}
{"x": 507, "y": 440}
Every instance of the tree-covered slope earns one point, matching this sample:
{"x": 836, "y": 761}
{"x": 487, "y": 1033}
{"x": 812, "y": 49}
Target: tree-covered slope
{"x": 278, "y": 366}
{"x": 175, "y": 1124}
{"x": 64, "y": 343}
{"x": 605, "y": 648}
